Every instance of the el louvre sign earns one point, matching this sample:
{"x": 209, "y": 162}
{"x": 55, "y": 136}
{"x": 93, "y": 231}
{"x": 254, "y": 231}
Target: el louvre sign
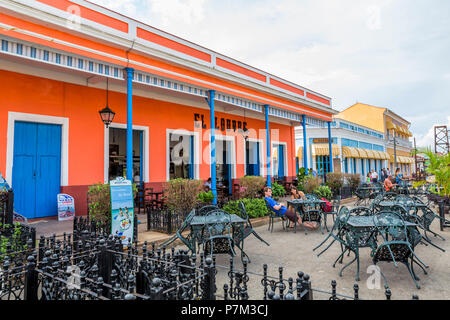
{"x": 220, "y": 123}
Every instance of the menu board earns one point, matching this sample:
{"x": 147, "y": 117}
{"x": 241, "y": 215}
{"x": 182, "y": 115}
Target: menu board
{"x": 122, "y": 209}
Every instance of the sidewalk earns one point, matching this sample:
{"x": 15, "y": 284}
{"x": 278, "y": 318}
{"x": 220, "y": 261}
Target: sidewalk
{"x": 51, "y": 225}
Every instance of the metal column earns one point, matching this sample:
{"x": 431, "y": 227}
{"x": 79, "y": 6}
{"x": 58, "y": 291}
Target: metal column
{"x": 130, "y": 74}
{"x": 329, "y": 145}
{"x": 305, "y": 153}
{"x": 268, "y": 147}
{"x": 211, "y": 94}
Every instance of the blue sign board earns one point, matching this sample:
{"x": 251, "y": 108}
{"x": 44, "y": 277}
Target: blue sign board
{"x": 122, "y": 209}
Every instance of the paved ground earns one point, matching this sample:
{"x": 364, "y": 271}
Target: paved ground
{"x": 294, "y": 252}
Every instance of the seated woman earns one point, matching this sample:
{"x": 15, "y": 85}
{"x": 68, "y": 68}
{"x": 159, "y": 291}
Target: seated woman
{"x": 296, "y": 194}
{"x": 281, "y": 210}
{"x": 398, "y": 176}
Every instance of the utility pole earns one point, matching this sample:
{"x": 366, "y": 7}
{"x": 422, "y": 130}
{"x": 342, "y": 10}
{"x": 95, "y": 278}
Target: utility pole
{"x": 395, "y": 153}
{"x": 415, "y": 160}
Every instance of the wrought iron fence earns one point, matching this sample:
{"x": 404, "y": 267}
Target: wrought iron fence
{"x": 6, "y": 207}
{"x": 83, "y": 225}
{"x": 95, "y": 267}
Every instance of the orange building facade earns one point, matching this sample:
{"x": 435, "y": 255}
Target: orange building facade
{"x": 63, "y": 61}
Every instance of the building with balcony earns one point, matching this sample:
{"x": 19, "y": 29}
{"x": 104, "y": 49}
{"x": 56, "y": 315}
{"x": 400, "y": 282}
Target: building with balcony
{"x": 394, "y": 128}
{"x": 355, "y": 148}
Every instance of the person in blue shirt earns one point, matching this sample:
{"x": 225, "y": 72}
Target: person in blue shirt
{"x": 281, "y": 210}
{"x": 398, "y": 176}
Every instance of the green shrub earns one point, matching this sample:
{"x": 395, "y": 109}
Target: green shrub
{"x": 335, "y": 180}
{"x": 353, "y": 180}
{"x": 99, "y": 202}
{"x": 206, "y": 197}
{"x": 251, "y": 186}
{"x": 277, "y": 190}
{"x": 182, "y": 194}
{"x": 323, "y": 192}
{"x": 440, "y": 168}
{"x": 254, "y": 207}
{"x": 301, "y": 177}
{"x": 310, "y": 184}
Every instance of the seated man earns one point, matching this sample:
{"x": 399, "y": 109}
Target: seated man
{"x": 281, "y": 210}
{"x": 388, "y": 185}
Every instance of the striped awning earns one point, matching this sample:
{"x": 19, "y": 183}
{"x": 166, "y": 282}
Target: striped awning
{"x": 323, "y": 149}
{"x": 350, "y": 152}
{"x": 378, "y": 155}
{"x": 370, "y": 154}
{"x": 363, "y": 153}
{"x": 385, "y": 155}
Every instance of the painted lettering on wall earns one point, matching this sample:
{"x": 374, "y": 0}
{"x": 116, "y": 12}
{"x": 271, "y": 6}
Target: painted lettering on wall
{"x": 221, "y": 124}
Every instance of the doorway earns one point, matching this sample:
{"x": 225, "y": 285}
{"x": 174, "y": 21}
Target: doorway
{"x": 118, "y": 154}
{"x": 36, "y": 173}
{"x": 224, "y": 164}
{"x": 252, "y": 158}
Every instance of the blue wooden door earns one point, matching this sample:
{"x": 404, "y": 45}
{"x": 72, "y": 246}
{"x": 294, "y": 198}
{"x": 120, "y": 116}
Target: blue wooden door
{"x": 280, "y": 160}
{"x": 36, "y": 168}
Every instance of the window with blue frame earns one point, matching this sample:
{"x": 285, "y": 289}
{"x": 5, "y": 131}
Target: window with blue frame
{"x": 323, "y": 164}
{"x": 354, "y": 165}
{"x": 252, "y": 162}
{"x": 278, "y": 156}
{"x": 346, "y": 165}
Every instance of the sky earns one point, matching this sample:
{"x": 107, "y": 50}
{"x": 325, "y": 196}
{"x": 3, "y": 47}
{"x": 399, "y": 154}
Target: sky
{"x": 387, "y": 53}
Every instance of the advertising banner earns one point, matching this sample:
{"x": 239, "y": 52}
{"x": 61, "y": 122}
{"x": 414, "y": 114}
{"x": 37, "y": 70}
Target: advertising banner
{"x": 122, "y": 209}
{"x": 66, "y": 207}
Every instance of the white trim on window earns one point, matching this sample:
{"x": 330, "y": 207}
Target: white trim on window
{"x": 37, "y": 118}
{"x": 145, "y": 152}
{"x": 286, "y": 169}
{"x": 196, "y": 150}
{"x": 261, "y": 155}
{"x": 233, "y": 150}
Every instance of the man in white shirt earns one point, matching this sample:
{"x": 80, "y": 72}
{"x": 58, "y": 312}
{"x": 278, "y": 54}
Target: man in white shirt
{"x": 374, "y": 176}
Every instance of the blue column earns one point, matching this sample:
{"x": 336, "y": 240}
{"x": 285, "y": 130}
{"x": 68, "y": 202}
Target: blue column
{"x": 268, "y": 147}
{"x": 130, "y": 74}
{"x": 329, "y": 144}
{"x": 211, "y": 94}
{"x": 305, "y": 150}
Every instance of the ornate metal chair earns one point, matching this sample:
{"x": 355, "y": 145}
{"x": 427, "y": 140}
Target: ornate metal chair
{"x": 396, "y": 246}
{"x": 247, "y": 230}
{"x": 363, "y": 196}
{"x": 188, "y": 241}
{"x": 361, "y": 211}
{"x": 220, "y": 236}
{"x": 335, "y": 205}
{"x": 204, "y": 210}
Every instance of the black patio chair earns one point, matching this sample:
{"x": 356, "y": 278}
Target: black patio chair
{"x": 204, "y": 210}
{"x": 396, "y": 246}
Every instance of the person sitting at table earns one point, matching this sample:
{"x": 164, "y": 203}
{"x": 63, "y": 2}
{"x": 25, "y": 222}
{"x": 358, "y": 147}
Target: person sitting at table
{"x": 398, "y": 176}
{"x": 388, "y": 185}
{"x": 281, "y": 210}
{"x": 208, "y": 184}
{"x": 297, "y": 194}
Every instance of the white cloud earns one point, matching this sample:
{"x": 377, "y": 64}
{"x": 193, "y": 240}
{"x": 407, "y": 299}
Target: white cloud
{"x": 386, "y": 53}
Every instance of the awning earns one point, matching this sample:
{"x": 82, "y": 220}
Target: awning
{"x": 386, "y": 155}
{"x": 370, "y": 154}
{"x": 350, "y": 152}
{"x": 378, "y": 154}
{"x": 323, "y": 149}
{"x": 363, "y": 153}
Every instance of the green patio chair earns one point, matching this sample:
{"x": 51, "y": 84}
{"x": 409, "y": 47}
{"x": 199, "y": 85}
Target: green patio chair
{"x": 396, "y": 246}
{"x": 220, "y": 236}
{"x": 188, "y": 241}
{"x": 273, "y": 216}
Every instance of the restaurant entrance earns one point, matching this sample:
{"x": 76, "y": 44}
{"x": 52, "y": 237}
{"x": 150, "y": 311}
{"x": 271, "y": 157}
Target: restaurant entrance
{"x": 118, "y": 154}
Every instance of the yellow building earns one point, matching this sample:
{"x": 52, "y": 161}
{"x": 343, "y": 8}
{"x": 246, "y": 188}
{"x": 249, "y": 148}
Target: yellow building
{"x": 394, "y": 127}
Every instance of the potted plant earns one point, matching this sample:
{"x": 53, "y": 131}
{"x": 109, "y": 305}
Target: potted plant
{"x": 439, "y": 167}
{"x": 182, "y": 194}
